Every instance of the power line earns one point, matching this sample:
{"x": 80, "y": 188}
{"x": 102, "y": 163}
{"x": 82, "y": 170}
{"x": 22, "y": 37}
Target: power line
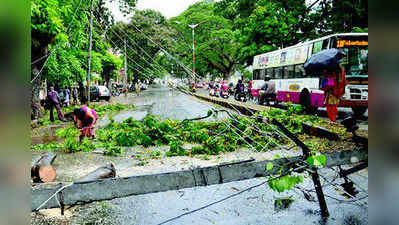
{"x": 228, "y": 197}
{"x": 134, "y": 49}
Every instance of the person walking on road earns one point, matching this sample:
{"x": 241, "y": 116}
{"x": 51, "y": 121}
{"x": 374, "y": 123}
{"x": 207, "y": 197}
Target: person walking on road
{"x": 54, "y": 102}
{"x": 137, "y": 88}
{"x": 334, "y": 88}
{"x": 67, "y": 96}
{"x": 75, "y": 95}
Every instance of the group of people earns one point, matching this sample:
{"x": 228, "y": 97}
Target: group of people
{"x": 87, "y": 116}
{"x": 223, "y": 86}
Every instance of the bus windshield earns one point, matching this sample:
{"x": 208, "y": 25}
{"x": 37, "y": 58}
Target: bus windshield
{"x": 356, "y": 59}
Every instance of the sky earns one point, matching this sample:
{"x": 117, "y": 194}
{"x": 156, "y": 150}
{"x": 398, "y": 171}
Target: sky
{"x": 168, "y": 8}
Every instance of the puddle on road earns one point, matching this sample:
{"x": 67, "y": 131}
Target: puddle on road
{"x": 137, "y": 115}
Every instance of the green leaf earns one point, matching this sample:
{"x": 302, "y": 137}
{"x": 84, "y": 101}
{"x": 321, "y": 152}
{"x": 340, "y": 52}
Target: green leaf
{"x": 269, "y": 166}
{"x": 319, "y": 160}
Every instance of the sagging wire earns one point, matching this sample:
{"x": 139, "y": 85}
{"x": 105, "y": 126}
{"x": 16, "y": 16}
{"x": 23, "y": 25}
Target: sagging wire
{"x": 229, "y": 197}
{"x": 130, "y": 47}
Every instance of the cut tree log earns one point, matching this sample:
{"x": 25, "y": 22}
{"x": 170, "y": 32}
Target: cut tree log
{"x": 42, "y": 170}
{"x": 104, "y": 172}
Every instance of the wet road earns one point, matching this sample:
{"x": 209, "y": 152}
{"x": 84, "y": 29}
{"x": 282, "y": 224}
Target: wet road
{"x": 253, "y": 207}
{"x": 166, "y": 103}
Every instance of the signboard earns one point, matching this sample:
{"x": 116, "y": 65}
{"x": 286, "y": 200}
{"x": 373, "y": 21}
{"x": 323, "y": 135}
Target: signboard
{"x": 348, "y": 43}
{"x": 274, "y": 59}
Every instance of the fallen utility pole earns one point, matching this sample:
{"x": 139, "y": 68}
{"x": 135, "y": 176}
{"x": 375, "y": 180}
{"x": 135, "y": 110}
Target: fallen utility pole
{"x": 315, "y": 176}
{"x": 100, "y": 190}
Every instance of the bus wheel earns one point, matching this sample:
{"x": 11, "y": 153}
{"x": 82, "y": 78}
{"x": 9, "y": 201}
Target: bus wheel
{"x": 304, "y": 101}
{"x": 359, "y": 111}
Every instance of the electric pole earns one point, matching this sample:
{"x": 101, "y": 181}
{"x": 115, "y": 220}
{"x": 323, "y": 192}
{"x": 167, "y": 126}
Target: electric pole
{"x": 89, "y": 52}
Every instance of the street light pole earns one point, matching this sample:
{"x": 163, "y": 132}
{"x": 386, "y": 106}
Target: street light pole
{"x": 193, "y": 26}
{"x": 194, "y": 52}
{"x": 89, "y": 52}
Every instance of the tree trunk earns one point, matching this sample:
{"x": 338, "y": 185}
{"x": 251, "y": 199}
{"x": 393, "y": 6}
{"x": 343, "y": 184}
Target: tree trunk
{"x": 228, "y": 73}
{"x": 82, "y": 93}
{"x": 104, "y": 172}
{"x": 35, "y": 92}
{"x": 42, "y": 170}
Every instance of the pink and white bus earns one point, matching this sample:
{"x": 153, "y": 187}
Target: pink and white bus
{"x": 285, "y": 68}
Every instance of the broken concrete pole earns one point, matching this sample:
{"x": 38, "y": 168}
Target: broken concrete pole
{"x": 104, "y": 172}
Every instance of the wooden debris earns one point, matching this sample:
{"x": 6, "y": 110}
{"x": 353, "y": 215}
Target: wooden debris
{"x": 42, "y": 170}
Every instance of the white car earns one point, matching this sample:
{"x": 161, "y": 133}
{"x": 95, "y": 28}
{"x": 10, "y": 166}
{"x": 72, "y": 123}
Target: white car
{"x": 100, "y": 92}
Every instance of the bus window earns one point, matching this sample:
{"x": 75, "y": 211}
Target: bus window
{"x": 320, "y": 45}
{"x": 325, "y": 44}
{"x": 285, "y": 72}
{"x": 270, "y": 73}
{"x": 299, "y": 71}
{"x": 289, "y": 72}
{"x": 278, "y": 72}
{"x": 256, "y": 75}
{"x": 262, "y": 74}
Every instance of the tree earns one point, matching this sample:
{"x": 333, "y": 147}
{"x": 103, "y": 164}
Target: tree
{"x": 267, "y": 25}
{"x": 216, "y": 50}
{"x": 141, "y": 51}
{"x": 264, "y": 25}
{"x": 59, "y": 34}
{"x": 111, "y": 64}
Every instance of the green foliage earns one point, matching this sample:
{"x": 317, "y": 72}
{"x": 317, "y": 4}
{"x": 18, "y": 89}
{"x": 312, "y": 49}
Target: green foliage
{"x": 112, "y": 150}
{"x": 71, "y": 144}
{"x": 284, "y": 183}
{"x": 176, "y": 149}
{"x": 142, "y": 51}
{"x": 317, "y": 160}
{"x": 47, "y": 147}
{"x": 291, "y": 117}
{"x": 216, "y": 48}
{"x": 61, "y": 28}
{"x": 155, "y": 154}
{"x": 86, "y": 145}
{"x": 265, "y": 25}
{"x": 100, "y": 109}
{"x": 67, "y": 132}
{"x": 269, "y": 166}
